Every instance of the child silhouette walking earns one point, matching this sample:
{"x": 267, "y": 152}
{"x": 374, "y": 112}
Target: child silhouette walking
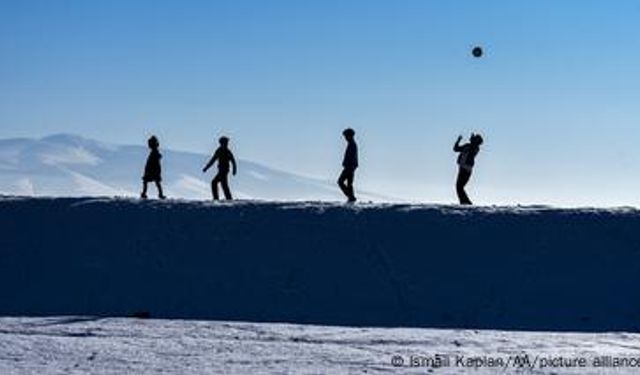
{"x": 225, "y": 160}
{"x": 152, "y": 170}
{"x": 349, "y": 165}
{"x": 466, "y": 160}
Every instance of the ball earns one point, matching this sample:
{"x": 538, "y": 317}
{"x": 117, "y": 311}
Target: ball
{"x": 477, "y": 52}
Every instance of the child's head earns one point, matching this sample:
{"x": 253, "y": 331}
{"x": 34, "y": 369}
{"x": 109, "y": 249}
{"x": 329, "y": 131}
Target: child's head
{"x": 153, "y": 142}
{"x": 476, "y": 139}
{"x": 348, "y": 133}
{"x": 224, "y": 141}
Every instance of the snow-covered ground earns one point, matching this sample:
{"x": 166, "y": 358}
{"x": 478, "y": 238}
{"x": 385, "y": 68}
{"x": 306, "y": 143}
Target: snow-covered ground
{"x": 508, "y": 286}
{"x": 77, "y": 345}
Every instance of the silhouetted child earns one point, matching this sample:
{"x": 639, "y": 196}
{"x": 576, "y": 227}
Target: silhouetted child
{"x": 152, "y": 170}
{"x": 225, "y": 159}
{"x": 349, "y": 165}
{"x": 466, "y": 160}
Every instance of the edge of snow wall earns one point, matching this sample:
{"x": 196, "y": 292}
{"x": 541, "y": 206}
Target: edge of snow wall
{"x": 532, "y": 268}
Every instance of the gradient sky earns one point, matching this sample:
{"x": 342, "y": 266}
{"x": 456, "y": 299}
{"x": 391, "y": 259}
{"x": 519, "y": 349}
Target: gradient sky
{"x": 557, "y": 95}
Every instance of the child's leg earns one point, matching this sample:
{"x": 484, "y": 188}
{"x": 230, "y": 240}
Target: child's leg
{"x": 214, "y": 187}
{"x": 144, "y": 190}
{"x": 344, "y": 175}
{"x": 350, "y": 178}
{"x": 345, "y": 181}
{"x": 224, "y": 181}
{"x": 463, "y": 177}
{"x": 159, "y": 186}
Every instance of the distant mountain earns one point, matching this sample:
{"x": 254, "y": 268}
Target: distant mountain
{"x": 69, "y": 165}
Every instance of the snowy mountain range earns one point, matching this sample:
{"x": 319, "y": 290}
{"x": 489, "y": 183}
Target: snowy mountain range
{"x": 70, "y": 165}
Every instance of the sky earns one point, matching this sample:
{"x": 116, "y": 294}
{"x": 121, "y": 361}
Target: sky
{"x": 556, "y": 95}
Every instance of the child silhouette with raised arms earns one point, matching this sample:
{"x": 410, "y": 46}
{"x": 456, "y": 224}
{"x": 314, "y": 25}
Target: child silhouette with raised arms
{"x": 225, "y": 160}
{"x": 349, "y": 165}
{"x": 152, "y": 170}
{"x": 466, "y": 160}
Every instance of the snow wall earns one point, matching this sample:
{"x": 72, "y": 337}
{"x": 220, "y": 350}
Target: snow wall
{"x": 529, "y": 268}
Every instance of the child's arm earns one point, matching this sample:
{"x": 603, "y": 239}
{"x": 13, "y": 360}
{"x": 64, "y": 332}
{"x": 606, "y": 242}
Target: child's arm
{"x": 456, "y": 147}
{"x": 233, "y": 163}
{"x": 210, "y": 163}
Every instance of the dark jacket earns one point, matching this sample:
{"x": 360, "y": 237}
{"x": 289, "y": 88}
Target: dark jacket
{"x": 350, "y": 160}
{"x": 225, "y": 160}
{"x": 467, "y": 156}
{"x": 152, "y": 170}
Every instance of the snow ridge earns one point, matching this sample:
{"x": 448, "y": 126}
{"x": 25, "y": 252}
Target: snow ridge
{"x": 521, "y": 268}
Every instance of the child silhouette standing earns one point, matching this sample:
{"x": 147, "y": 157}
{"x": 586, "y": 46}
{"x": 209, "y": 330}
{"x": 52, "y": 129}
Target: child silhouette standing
{"x": 466, "y": 160}
{"x": 152, "y": 170}
{"x": 225, "y": 160}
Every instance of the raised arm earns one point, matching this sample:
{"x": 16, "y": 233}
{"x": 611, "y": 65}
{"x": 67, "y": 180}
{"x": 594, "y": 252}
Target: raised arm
{"x": 456, "y": 146}
{"x": 211, "y": 161}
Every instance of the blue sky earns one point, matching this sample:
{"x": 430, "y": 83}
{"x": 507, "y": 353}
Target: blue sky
{"x": 556, "y": 96}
